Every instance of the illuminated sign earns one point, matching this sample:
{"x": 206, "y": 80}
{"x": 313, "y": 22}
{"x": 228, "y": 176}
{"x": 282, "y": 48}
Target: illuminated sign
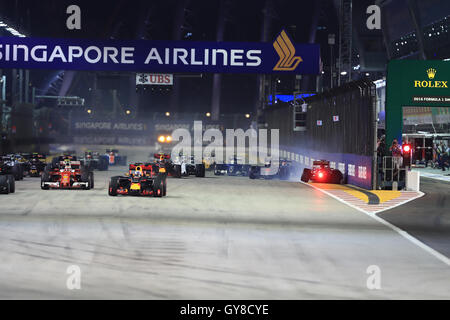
{"x": 154, "y": 79}
{"x": 431, "y": 99}
{"x": 282, "y": 56}
{"x": 286, "y": 51}
{"x": 431, "y": 73}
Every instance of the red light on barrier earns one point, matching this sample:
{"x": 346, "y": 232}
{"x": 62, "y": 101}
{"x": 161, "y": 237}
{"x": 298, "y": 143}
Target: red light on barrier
{"x": 320, "y": 175}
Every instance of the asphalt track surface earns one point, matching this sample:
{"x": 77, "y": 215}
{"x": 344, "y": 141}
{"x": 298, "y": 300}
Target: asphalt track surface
{"x": 210, "y": 238}
{"x": 427, "y": 218}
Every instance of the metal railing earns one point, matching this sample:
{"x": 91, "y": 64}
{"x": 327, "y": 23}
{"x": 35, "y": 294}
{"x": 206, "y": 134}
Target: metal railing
{"x": 392, "y": 175}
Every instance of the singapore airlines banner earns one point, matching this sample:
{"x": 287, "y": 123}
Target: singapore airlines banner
{"x": 281, "y": 56}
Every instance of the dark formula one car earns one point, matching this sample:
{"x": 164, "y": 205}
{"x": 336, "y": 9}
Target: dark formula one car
{"x": 95, "y": 160}
{"x": 163, "y": 160}
{"x": 115, "y": 159}
{"x": 322, "y": 172}
{"x": 37, "y": 165}
{"x": 66, "y": 172}
{"x": 24, "y": 160}
{"x": 233, "y": 168}
{"x": 10, "y": 165}
{"x": 283, "y": 172}
{"x": 181, "y": 166}
{"x": 141, "y": 180}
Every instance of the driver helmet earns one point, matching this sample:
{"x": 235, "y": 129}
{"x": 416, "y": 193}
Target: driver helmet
{"x": 67, "y": 164}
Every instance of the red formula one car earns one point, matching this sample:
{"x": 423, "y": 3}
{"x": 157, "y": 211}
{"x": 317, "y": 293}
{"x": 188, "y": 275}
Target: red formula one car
{"x": 322, "y": 172}
{"x": 67, "y": 173}
{"x": 141, "y": 180}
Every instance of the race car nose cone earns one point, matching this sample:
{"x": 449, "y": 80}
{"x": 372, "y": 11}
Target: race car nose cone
{"x": 135, "y": 186}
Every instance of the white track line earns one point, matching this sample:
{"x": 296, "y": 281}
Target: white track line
{"x": 401, "y": 232}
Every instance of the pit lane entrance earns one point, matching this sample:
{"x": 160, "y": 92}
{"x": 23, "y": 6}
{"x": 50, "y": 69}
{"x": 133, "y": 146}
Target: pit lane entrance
{"x": 414, "y": 83}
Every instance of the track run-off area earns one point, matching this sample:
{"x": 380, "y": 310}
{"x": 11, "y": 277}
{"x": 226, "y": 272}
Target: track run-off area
{"x": 216, "y": 237}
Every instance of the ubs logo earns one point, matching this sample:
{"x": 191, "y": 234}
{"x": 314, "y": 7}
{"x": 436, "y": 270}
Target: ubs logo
{"x": 286, "y": 51}
{"x": 431, "y": 73}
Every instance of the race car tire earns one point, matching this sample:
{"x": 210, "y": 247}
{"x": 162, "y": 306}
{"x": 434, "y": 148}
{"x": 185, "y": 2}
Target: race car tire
{"x": 177, "y": 171}
{"x": 113, "y": 186}
{"x": 4, "y": 184}
{"x": 245, "y": 171}
{"x": 336, "y": 177}
{"x": 12, "y": 183}
{"x": 254, "y": 172}
{"x": 48, "y": 168}
{"x": 55, "y": 163}
{"x": 216, "y": 171}
{"x": 91, "y": 177}
{"x": 45, "y": 178}
{"x": 164, "y": 182}
{"x": 200, "y": 170}
{"x": 158, "y": 187}
{"x": 17, "y": 172}
{"x": 231, "y": 170}
{"x": 85, "y": 177}
{"x": 21, "y": 172}
{"x": 306, "y": 175}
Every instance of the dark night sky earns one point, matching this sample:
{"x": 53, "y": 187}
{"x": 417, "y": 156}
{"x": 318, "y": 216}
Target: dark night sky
{"x": 103, "y": 19}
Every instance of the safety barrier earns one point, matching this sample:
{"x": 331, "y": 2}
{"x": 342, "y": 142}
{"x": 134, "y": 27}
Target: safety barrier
{"x": 340, "y": 128}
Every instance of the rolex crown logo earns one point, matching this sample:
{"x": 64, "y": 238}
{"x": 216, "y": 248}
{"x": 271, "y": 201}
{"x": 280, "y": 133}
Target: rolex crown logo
{"x": 431, "y": 73}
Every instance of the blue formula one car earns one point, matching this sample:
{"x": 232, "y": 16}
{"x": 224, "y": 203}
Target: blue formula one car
{"x": 283, "y": 171}
{"x": 233, "y": 168}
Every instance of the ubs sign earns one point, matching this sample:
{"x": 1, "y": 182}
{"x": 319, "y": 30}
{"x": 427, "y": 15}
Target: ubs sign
{"x": 154, "y": 79}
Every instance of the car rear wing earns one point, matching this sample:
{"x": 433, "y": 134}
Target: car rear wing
{"x": 321, "y": 162}
{"x": 72, "y": 163}
{"x": 158, "y": 156}
{"x": 145, "y": 167}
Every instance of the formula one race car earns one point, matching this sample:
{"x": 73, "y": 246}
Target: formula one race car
{"x": 322, "y": 172}
{"x": 66, "y": 172}
{"x": 233, "y": 168}
{"x": 94, "y": 160}
{"x": 24, "y": 160}
{"x": 10, "y": 165}
{"x": 181, "y": 166}
{"x": 7, "y": 183}
{"x": 115, "y": 159}
{"x": 37, "y": 165}
{"x": 283, "y": 172}
{"x": 189, "y": 167}
{"x": 141, "y": 180}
